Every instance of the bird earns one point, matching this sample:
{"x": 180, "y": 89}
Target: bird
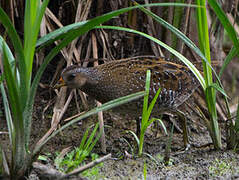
{"x": 123, "y": 77}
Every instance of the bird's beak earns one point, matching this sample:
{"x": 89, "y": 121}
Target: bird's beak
{"x": 59, "y": 84}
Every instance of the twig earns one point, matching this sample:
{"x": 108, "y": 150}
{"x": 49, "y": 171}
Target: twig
{"x": 74, "y": 116}
{"x": 100, "y": 114}
{"x": 46, "y": 172}
{"x": 87, "y": 166}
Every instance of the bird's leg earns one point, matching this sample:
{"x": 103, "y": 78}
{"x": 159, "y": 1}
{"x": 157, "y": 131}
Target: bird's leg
{"x": 185, "y": 132}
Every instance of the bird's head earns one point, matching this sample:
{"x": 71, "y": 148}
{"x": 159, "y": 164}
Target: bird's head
{"x": 72, "y": 77}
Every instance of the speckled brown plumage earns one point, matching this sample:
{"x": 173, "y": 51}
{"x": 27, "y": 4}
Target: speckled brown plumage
{"x": 123, "y": 77}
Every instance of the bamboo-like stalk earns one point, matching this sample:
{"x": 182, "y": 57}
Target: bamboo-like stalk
{"x": 209, "y": 91}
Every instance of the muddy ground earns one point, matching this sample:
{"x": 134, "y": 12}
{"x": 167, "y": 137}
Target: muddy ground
{"x": 197, "y": 163}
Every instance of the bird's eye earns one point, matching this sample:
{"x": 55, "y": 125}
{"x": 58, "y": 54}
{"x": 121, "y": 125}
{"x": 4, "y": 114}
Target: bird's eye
{"x": 71, "y": 77}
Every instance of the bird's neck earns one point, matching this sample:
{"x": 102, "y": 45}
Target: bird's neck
{"x": 95, "y": 85}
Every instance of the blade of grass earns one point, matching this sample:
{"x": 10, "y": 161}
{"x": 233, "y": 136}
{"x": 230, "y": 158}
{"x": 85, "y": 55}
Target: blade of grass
{"x": 18, "y": 144}
{"x": 11, "y": 59}
{"x": 168, "y": 147}
{"x": 135, "y": 137}
{"x": 210, "y": 93}
{"x": 146, "y": 97}
{"x": 12, "y": 88}
{"x": 89, "y": 140}
{"x": 145, "y": 171}
{"x": 37, "y": 11}
{"x": 18, "y": 49}
{"x": 8, "y": 115}
{"x": 90, "y": 143}
{"x": 233, "y": 52}
{"x": 151, "y": 106}
{"x": 84, "y": 138}
{"x": 162, "y": 124}
{"x": 146, "y": 112}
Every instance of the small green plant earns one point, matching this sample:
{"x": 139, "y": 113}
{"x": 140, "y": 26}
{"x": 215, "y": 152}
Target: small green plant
{"x": 220, "y": 168}
{"x": 147, "y": 110}
{"x": 76, "y": 157}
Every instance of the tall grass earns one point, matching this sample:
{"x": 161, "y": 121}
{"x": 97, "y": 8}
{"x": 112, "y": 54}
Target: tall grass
{"x": 210, "y": 92}
{"x": 233, "y": 140}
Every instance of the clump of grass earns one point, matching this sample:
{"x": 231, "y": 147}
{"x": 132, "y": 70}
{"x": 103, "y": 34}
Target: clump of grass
{"x": 221, "y": 168}
{"x": 147, "y": 110}
{"x": 75, "y": 158}
{"x": 146, "y": 115}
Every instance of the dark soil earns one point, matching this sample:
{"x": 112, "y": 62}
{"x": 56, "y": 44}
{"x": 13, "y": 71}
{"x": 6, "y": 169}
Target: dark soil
{"x": 197, "y": 163}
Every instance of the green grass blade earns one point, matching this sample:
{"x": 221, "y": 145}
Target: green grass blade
{"x": 92, "y": 135}
{"x": 151, "y": 106}
{"x": 200, "y": 30}
{"x": 58, "y": 34}
{"x": 204, "y": 40}
{"x": 7, "y": 113}
{"x": 145, "y": 170}
{"x": 6, "y": 22}
{"x": 163, "y": 126}
{"x": 233, "y": 52}
{"x": 90, "y": 143}
{"x": 135, "y": 136}
{"x": 12, "y": 88}
{"x": 83, "y": 140}
{"x": 218, "y": 88}
{"x": 33, "y": 15}
{"x": 210, "y": 93}
{"x": 12, "y": 61}
{"x": 18, "y": 144}
{"x": 37, "y": 11}
{"x": 27, "y": 25}
{"x": 146, "y": 97}
{"x": 90, "y": 139}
